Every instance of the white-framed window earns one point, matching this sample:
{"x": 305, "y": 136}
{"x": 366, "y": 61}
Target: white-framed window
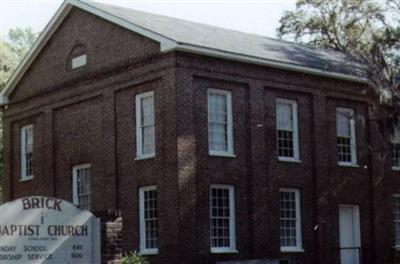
{"x": 346, "y": 136}
{"x": 396, "y": 219}
{"x": 81, "y": 187}
{"x": 145, "y": 125}
{"x": 78, "y": 61}
{"x": 395, "y": 139}
{"x": 222, "y": 219}
{"x": 290, "y": 220}
{"x": 220, "y": 123}
{"x": 148, "y": 220}
{"x": 27, "y": 152}
{"x": 287, "y": 130}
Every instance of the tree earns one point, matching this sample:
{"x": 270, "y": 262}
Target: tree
{"x": 369, "y": 31}
{"x": 12, "y": 51}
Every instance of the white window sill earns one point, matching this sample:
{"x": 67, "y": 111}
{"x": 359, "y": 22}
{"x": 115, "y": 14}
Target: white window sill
{"x": 224, "y": 251}
{"x": 222, "y": 154}
{"x": 396, "y": 169}
{"x": 144, "y": 157}
{"x": 292, "y": 250}
{"x": 26, "y": 178}
{"x": 286, "y": 159}
{"x": 347, "y": 164}
{"x": 147, "y": 252}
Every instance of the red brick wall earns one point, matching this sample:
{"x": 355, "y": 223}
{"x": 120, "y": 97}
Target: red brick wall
{"x": 88, "y": 116}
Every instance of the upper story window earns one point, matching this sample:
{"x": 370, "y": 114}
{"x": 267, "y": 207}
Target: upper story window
{"x": 396, "y": 219}
{"x": 287, "y": 130}
{"x": 26, "y": 152}
{"x": 145, "y": 125}
{"x": 290, "y": 220}
{"x": 81, "y": 192}
{"x": 395, "y": 139}
{"x": 220, "y": 133}
{"x": 79, "y": 61}
{"x": 148, "y": 214}
{"x": 222, "y": 219}
{"x": 346, "y": 136}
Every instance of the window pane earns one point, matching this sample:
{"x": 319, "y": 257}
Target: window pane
{"x": 285, "y": 143}
{"x": 396, "y": 155}
{"x": 284, "y": 116}
{"x": 220, "y": 221}
{"x": 343, "y": 124}
{"x": 150, "y": 219}
{"x": 148, "y": 111}
{"x": 26, "y": 151}
{"x": 396, "y": 214}
{"x": 146, "y": 125}
{"x": 288, "y": 219}
{"x": 83, "y": 190}
{"x": 218, "y": 122}
{"x": 344, "y": 149}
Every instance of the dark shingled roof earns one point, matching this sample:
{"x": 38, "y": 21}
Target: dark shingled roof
{"x": 236, "y": 42}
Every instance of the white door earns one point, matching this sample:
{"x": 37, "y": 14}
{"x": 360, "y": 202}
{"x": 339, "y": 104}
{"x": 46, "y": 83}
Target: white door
{"x": 349, "y": 224}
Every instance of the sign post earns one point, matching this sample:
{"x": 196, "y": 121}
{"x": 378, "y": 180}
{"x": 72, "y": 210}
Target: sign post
{"x": 48, "y": 230}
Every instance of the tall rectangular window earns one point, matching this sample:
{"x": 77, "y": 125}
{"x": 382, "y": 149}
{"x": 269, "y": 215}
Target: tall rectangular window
{"x": 287, "y": 130}
{"x": 290, "y": 220}
{"x": 145, "y": 125}
{"x": 148, "y": 220}
{"x": 81, "y": 190}
{"x": 346, "y": 136}
{"x": 220, "y": 133}
{"x": 396, "y": 219}
{"x": 26, "y": 152}
{"x": 395, "y": 139}
{"x": 222, "y": 219}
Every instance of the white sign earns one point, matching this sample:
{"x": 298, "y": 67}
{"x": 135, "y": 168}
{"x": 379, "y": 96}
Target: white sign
{"x": 47, "y": 230}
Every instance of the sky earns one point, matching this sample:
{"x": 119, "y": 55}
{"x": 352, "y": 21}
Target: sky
{"x": 252, "y": 16}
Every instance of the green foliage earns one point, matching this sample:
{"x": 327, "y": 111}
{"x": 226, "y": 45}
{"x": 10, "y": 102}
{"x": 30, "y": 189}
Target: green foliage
{"x": 134, "y": 258}
{"x": 12, "y": 51}
{"x": 369, "y": 31}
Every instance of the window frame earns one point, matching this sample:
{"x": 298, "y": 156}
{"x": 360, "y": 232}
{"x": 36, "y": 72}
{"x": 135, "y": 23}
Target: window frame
{"x": 295, "y": 136}
{"x": 229, "y": 124}
{"x": 232, "y": 219}
{"x": 353, "y": 140}
{"x": 23, "y": 136}
{"x": 142, "y": 225}
{"x": 139, "y": 132}
{"x": 75, "y": 195}
{"x": 299, "y": 239}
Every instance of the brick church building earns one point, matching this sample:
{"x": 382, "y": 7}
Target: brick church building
{"x": 215, "y": 145}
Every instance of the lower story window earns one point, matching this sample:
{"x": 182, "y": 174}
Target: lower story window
{"x": 396, "y": 155}
{"x": 396, "y": 219}
{"x": 148, "y": 220}
{"x": 81, "y": 186}
{"x": 290, "y": 224}
{"x": 222, "y": 218}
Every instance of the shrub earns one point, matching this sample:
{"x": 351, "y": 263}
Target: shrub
{"x": 134, "y": 258}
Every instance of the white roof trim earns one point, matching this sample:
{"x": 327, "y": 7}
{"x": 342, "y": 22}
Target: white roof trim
{"x": 166, "y": 45}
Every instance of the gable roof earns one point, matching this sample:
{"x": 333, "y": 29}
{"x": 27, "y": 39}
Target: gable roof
{"x": 178, "y": 34}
